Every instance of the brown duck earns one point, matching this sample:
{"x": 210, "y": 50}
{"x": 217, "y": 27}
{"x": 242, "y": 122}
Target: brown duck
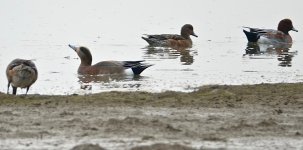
{"x": 21, "y": 73}
{"x": 105, "y": 67}
{"x": 172, "y": 40}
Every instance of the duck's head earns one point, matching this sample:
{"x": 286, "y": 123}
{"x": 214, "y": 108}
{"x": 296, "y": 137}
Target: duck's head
{"x": 84, "y": 54}
{"x": 285, "y": 25}
{"x": 188, "y": 30}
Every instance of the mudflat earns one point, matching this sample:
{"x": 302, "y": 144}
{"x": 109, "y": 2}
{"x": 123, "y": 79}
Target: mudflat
{"x": 265, "y": 116}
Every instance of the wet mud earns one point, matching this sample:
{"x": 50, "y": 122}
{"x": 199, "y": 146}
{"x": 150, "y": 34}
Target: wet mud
{"x": 265, "y": 116}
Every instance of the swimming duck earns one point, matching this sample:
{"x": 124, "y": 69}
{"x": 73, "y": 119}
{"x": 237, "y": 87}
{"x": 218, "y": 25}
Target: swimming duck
{"x": 21, "y": 73}
{"x": 105, "y": 67}
{"x": 271, "y": 36}
{"x": 172, "y": 40}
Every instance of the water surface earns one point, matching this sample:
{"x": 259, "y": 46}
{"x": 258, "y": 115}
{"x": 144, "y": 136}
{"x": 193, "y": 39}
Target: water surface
{"x": 112, "y": 30}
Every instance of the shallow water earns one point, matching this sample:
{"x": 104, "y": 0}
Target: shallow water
{"x": 112, "y": 30}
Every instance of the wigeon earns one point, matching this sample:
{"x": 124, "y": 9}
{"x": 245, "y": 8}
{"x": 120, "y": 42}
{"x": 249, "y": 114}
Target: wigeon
{"x": 172, "y": 40}
{"x": 105, "y": 67}
{"x": 271, "y": 36}
{"x": 21, "y": 73}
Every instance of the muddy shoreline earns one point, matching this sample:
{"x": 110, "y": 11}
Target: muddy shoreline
{"x": 265, "y": 116}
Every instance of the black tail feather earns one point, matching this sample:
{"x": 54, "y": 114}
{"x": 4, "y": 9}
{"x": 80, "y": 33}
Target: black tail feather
{"x": 130, "y": 64}
{"x": 136, "y": 66}
{"x": 252, "y": 36}
{"x": 137, "y": 70}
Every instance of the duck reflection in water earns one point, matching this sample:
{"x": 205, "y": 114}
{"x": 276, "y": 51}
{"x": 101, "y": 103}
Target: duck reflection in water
{"x": 281, "y": 50}
{"x": 86, "y": 81}
{"x": 185, "y": 55}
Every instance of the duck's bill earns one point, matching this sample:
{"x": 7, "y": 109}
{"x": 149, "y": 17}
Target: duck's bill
{"x": 72, "y": 47}
{"x": 195, "y": 35}
{"x": 294, "y": 29}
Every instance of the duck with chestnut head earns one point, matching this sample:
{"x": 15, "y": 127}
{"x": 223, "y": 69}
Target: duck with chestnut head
{"x": 271, "y": 36}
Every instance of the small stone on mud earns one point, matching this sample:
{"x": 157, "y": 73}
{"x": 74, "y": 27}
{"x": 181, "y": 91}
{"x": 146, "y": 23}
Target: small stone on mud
{"x": 298, "y": 133}
{"x": 279, "y": 111}
{"x": 148, "y": 137}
